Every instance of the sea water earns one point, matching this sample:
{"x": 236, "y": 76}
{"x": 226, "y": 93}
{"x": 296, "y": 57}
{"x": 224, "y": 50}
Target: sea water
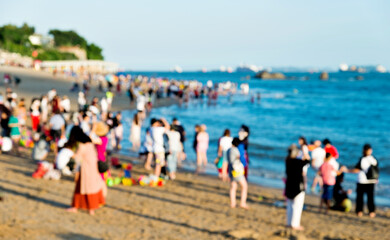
{"x": 349, "y": 112}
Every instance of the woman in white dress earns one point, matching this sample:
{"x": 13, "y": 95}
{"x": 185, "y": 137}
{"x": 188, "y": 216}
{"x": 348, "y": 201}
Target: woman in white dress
{"x": 135, "y": 133}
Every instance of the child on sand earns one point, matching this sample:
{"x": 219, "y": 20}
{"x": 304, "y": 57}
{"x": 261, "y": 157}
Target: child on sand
{"x": 328, "y": 173}
{"x": 13, "y": 124}
{"x": 237, "y": 175}
{"x": 340, "y": 196}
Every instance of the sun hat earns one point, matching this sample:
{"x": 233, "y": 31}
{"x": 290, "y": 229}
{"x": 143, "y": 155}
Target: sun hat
{"x": 101, "y": 129}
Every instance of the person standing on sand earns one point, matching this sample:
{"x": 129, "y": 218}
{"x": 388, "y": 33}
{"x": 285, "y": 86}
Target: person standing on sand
{"x": 65, "y": 104}
{"x": 22, "y": 113}
{"x": 367, "y": 170}
{"x": 318, "y": 156}
{"x": 195, "y": 141}
{"x": 178, "y": 127}
{"x": 135, "y": 132}
{"x": 201, "y": 149}
{"x": 328, "y": 173}
{"x": 157, "y": 130}
{"x": 14, "y": 125}
{"x": 236, "y": 174}
{"x": 103, "y": 105}
{"x": 51, "y": 94}
{"x": 35, "y": 114}
{"x": 118, "y": 130}
{"x": 304, "y": 155}
{"x": 224, "y": 143}
{"x": 5, "y": 115}
{"x": 7, "y": 79}
{"x": 304, "y": 149}
{"x": 90, "y": 189}
{"x": 147, "y": 149}
{"x": 99, "y": 138}
{"x": 44, "y": 108}
{"x": 295, "y": 187}
{"x": 82, "y": 101}
{"x": 175, "y": 148}
{"x": 243, "y": 135}
{"x": 57, "y": 128}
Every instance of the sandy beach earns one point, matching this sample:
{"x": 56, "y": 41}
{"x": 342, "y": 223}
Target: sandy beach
{"x": 191, "y": 207}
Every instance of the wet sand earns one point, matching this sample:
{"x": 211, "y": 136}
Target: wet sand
{"x": 191, "y": 207}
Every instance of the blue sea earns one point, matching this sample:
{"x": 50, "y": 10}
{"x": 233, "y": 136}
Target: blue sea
{"x": 347, "y": 111}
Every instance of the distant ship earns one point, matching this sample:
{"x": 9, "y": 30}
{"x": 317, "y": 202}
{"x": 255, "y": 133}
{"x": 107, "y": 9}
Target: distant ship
{"x": 380, "y": 69}
{"x": 177, "y": 69}
{"x": 222, "y": 68}
{"x": 361, "y": 69}
{"x": 248, "y": 68}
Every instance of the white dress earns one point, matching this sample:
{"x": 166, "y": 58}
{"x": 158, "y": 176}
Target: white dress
{"x": 135, "y": 134}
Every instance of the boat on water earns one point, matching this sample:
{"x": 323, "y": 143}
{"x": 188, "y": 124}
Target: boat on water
{"x": 361, "y": 69}
{"x": 177, "y": 69}
{"x": 248, "y": 68}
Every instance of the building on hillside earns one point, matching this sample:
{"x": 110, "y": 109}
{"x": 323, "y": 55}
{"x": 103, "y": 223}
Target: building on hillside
{"x": 80, "y": 53}
{"x": 92, "y": 66}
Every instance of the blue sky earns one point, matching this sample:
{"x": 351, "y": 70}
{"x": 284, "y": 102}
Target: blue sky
{"x": 142, "y": 35}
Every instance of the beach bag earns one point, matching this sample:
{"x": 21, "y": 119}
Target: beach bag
{"x": 373, "y": 172}
{"x": 102, "y": 166}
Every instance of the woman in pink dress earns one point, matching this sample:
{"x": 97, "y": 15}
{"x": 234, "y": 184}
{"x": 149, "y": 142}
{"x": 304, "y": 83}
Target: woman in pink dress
{"x": 90, "y": 188}
{"x": 100, "y": 139}
{"x": 201, "y": 148}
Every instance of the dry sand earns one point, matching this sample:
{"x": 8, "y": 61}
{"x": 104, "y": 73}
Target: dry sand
{"x": 191, "y": 207}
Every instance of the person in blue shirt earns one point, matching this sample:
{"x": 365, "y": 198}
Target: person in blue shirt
{"x": 243, "y": 135}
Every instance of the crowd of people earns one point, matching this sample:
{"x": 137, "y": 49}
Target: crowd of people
{"x": 329, "y": 176}
{"x": 51, "y": 124}
{"x": 81, "y": 139}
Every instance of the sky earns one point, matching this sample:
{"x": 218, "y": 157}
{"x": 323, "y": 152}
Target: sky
{"x": 159, "y": 34}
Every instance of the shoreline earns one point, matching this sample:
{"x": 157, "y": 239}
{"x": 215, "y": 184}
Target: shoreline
{"x": 28, "y": 90}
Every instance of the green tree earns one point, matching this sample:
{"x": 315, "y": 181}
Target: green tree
{"x": 17, "y": 35}
{"x": 68, "y": 38}
{"x": 53, "y": 54}
{"x": 94, "y": 52}
{"x": 15, "y": 39}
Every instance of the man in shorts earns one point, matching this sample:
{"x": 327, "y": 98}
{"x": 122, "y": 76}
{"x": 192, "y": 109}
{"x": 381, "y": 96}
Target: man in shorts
{"x": 237, "y": 175}
{"x": 318, "y": 156}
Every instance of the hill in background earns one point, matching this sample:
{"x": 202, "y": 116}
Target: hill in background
{"x": 58, "y": 45}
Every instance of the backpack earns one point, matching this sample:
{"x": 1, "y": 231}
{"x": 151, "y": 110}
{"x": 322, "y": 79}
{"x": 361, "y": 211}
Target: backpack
{"x": 373, "y": 172}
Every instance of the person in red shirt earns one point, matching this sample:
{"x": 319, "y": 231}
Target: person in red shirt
{"x": 329, "y": 148}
